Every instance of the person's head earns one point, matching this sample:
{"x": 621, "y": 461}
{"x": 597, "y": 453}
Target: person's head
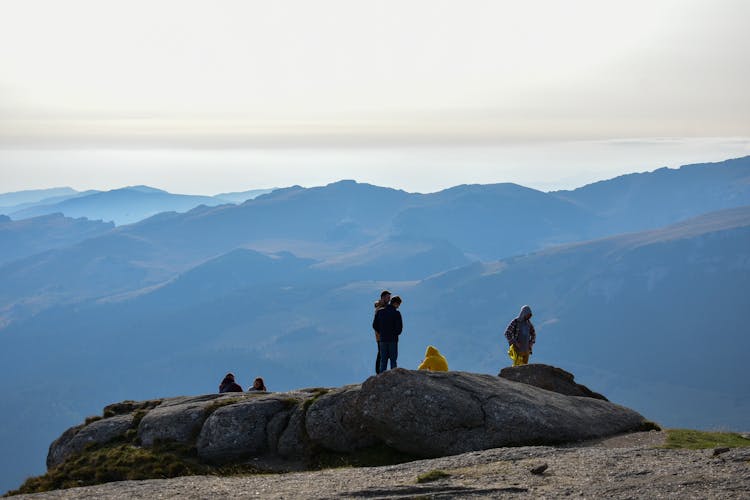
{"x": 259, "y": 384}
{"x": 385, "y": 296}
{"x": 396, "y": 301}
{"x": 525, "y": 313}
{"x": 229, "y": 376}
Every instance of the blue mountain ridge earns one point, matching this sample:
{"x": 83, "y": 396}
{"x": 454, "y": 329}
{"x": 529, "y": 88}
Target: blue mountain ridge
{"x": 282, "y": 286}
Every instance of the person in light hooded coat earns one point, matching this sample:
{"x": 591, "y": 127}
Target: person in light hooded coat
{"x": 434, "y": 361}
{"x": 521, "y": 337}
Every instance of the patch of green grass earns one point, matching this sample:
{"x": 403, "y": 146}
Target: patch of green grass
{"x": 118, "y": 461}
{"x": 129, "y": 407}
{"x": 316, "y": 392}
{"x": 648, "y": 425}
{"x": 697, "y": 440}
{"x": 218, "y": 403}
{"x": 433, "y": 475}
{"x": 92, "y": 419}
{"x": 290, "y": 403}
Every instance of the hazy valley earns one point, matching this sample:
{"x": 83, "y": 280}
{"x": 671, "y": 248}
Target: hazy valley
{"x": 639, "y": 285}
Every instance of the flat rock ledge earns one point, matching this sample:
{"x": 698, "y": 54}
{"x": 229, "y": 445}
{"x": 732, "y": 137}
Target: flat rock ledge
{"x": 590, "y": 471}
{"x": 420, "y": 414}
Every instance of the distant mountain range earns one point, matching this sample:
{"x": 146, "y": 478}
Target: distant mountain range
{"x": 638, "y": 285}
{"x": 34, "y": 196}
{"x": 121, "y": 206}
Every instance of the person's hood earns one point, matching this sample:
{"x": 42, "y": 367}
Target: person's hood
{"x": 431, "y": 352}
{"x": 525, "y": 313}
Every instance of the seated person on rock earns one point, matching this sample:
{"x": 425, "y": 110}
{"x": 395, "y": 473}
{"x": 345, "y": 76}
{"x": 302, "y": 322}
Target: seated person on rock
{"x": 258, "y": 385}
{"x": 434, "y": 361}
{"x": 229, "y": 385}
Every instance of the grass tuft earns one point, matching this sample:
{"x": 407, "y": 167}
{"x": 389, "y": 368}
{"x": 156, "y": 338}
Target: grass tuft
{"x": 648, "y": 425}
{"x": 129, "y": 406}
{"x": 92, "y": 419}
{"x": 119, "y": 461}
{"x": 316, "y": 392}
{"x": 219, "y": 403}
{"x": 433, "y": 475}
{"x": 697, "y": 440}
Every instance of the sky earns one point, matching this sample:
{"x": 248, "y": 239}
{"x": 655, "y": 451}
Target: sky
{"x": 205, "y": 97}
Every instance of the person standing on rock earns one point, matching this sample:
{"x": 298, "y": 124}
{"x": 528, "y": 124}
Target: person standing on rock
{"x": 229, "y": 385}
{"x": 388, "y": 325}
{"x": 521, "y": 337}
{"x": 385, "y": 298}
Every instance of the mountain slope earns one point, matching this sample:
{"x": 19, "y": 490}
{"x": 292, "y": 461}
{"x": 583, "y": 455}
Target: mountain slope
{"x": 494, "y": 221}
{"x": 655, "y": 320}
{"x": 636, "y": 202}
{"x": 33, "y": 196}
{"x": 242, "y": 196}
{"x": 30, "y": 236}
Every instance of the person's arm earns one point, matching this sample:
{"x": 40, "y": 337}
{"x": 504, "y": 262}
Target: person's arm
{"x": 510, "y": 332}
{"x": 376, "y": 324}
{"x": 399, "y": 323}
{"x": 532, "y": 337}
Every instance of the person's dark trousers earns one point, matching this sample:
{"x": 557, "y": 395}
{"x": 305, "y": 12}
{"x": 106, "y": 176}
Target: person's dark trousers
{"x": 388, "y": 350}
{"x": 377, "y": 360}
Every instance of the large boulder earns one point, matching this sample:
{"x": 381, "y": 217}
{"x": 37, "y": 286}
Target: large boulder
{"x": 75, "y": 439}
{"x": 332, "y": 421}
{"x": 242, "y": 429}
{"x": 416, "y": 412}
{"x": 550, "y": 378}
{"x": 444, "y": 413}
{"x": 293, "y": 443}
{"x": 178, "y": 419}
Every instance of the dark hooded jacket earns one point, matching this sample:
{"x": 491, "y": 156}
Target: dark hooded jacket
{"x": 521, "y": 331}
{"x": 388, "y": 324}
{"x": 229, "y": 385}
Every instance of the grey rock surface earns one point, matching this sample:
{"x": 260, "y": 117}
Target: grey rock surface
{"x": 420, "y": 413}
{"x": 625, "y": 471}
{"x": 550, "y": 378}
{"x": 440, "y": 413}
{"x": 293, "y": 443}
{"x": 240, "y": 429}
{"x": 99, "y": 431}
{"x": 176, "y": 419}
{"x": 333, "y": 422}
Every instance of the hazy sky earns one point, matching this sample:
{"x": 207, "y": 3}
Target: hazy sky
{"x": 224, "y": 95}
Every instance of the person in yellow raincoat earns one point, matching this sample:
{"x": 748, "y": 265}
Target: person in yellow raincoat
{"x": 434, "y": 361}
{"x": 521, "y": 337}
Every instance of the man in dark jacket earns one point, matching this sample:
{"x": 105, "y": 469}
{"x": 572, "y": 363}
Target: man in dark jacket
{"x": 388, "y": 326}
{"x": 385, "y": 298}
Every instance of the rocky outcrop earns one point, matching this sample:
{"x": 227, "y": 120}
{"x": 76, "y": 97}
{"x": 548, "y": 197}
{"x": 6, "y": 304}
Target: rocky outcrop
{"x": 550, "y": 378}
{"x": 75, "y": 439}
{"x": 242, "y": 428}
{"x": 176, "y": 419}
{"x": 334, "y": 421}
{"x": 436, "y": 413}
{"x": 425, "y": 414}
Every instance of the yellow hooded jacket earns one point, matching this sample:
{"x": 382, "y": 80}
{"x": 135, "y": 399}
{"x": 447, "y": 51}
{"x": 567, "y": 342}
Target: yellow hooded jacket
{"x": 434, "y": 361}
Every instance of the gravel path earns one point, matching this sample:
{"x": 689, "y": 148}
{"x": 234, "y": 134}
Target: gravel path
{"x": 621, "y": 467}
